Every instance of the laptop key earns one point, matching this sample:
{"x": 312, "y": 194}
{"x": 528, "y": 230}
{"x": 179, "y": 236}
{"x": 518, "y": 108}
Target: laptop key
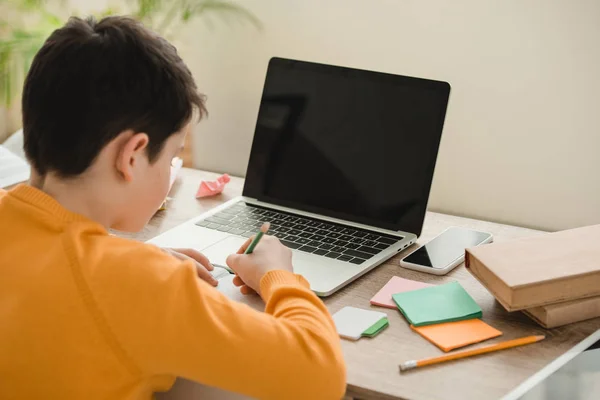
{"x": 226, "y": 216}
{"x": 348, "y": 231}
{"x": 344, "y": 258}
{"x": 313, "y": 224}
{"x": 329, "y": 240}
{"x": 382, "y": 246}
{"x": 284, "y": 230}
{"x": 340, "y": 243}
{"x": 358, "y": 254}
{"x": 294, "y": 232}
{"x": 367, "y": 249}
{"x": 346, "y": 238}
{"x": 333, "y": 235}
{"x": 332, "y": 255}
{"x": 305, "y": 235}
{"x": 322, "y": 232}
{"x": 357, "y": 240}
{"x": 318, "y": 237}
{"x": 203, "y": 223}
{"x": 337, "y": 228}
{"x": 325, "y": 226}
{"x": 302, "y": 241}
{"x": 310, "y": 229}
{"x": 223, "y": 228}
{"x": 357, "y": 261}
{"x": 314, "y": 243}
{"x": 293, "y": 238}
{"x": 213, "y": 226}
{"x": 237, "y": 231}
{"x": 320, "y": 252}
{"x": 291, "y": 219}
{"x": 372, "y": 237}
{"x": 360, "y": 234}
{"x": 338, "y": 249}
{"x": 217, "y": 220}
{"x": 353, "y": 246}
{"x": 389, "y": 241}
{"x": 280, "y": 235}
{"x": 288, "y": 224}
{"x": 369, "y": 243}
{"x": 307, "y": 249}
{"x": 291, "y": 245}
{"x": 326, "y": 246}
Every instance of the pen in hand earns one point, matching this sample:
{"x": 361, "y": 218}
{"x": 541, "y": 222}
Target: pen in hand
{"x": 263, "y": 230}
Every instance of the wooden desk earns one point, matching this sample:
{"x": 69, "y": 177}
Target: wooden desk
{"x": 373, "y": 363}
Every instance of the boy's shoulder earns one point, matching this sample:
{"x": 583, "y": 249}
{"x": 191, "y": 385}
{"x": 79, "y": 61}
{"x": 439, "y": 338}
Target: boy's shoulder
{"x": 108, "y": 257}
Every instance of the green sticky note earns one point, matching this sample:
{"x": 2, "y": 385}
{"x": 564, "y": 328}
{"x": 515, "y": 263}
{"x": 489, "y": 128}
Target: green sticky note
{"x": 376, "y": 328}
{"x": 437, "y": 304}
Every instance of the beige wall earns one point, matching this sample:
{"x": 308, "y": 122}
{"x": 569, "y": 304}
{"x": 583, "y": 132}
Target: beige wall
{"x": 522, "y": 134}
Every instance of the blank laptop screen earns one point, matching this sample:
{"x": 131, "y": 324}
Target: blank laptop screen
{"x": 347, "y": 143}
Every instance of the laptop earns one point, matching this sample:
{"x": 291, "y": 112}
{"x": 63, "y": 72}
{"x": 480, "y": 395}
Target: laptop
{"x": 341, "y": 166}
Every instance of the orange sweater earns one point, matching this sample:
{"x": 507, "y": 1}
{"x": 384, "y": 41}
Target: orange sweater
{"x": 85, "y": 315}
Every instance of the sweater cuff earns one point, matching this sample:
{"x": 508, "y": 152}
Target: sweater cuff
{"x": 274, "y": 279}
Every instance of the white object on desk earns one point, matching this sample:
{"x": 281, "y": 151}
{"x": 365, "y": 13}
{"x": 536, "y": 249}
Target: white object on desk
{"x": 351, "y": 322}
{"x": 13, "y": 169}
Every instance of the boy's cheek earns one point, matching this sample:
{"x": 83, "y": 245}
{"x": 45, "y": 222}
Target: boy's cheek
{"x": 145, "y": 202}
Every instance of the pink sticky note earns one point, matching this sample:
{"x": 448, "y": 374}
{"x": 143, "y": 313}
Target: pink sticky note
{"x": 383, "y": 298}
{"x": 211, "y": 188}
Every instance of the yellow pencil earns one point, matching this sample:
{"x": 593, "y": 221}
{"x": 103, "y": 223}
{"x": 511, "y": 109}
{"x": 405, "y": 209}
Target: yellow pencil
{"x": 468, "y": 353}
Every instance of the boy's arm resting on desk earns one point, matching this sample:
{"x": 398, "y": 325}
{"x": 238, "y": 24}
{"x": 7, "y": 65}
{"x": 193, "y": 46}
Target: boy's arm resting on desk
{"x": 170, "y": 322}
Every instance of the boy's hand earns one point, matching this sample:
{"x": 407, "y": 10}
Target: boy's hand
{"x": 203, "y": 266}
{"x": 269, "y": 255}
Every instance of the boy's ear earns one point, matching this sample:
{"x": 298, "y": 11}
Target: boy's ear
{"x": 130, "y": 154}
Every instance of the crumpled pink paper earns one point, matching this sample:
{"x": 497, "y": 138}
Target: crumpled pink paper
{"x": 211, "y": 188}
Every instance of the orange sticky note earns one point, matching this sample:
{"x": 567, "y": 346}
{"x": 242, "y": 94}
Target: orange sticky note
{"x": 452, "y": 335}
{"x": 383, "y": 298}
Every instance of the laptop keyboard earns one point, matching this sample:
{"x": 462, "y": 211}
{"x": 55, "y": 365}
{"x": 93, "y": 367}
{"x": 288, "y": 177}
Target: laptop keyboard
{"x": 302, "y": 233}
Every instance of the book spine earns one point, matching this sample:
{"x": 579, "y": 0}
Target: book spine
{"x": 560, "y": 314}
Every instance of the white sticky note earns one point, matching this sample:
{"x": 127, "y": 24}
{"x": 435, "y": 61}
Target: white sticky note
{"x": 351, "y": 322}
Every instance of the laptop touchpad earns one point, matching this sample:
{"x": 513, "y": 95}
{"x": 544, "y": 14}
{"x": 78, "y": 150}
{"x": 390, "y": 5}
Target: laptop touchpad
{"x": 218, "y": 252}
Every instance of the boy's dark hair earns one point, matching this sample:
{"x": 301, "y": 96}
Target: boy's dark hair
{"x": 92, "y": 80}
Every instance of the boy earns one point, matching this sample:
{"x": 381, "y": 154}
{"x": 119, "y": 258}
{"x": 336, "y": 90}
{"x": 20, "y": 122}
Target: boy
{"x": 85, "y": 315}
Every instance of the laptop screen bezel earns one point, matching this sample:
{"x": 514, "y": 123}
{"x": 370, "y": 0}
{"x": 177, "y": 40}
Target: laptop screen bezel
{"x": 441, "y": 86}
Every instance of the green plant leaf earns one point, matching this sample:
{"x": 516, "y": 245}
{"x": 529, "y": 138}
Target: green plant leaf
{"x": 224, "y": 9}
{"x": 147, "y": 8}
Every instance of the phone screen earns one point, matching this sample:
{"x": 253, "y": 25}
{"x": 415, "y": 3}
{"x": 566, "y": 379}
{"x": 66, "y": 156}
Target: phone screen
{"x": 446, "y": 248}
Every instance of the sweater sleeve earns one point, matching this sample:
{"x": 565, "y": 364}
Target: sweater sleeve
{"x": 170, "y": 322}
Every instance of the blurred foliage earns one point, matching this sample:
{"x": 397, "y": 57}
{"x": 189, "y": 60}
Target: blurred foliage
{"x": 25, "y": 25}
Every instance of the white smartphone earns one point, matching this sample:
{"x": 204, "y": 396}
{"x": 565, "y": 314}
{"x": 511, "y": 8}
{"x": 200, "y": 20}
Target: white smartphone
{"x": 445, "y": 251}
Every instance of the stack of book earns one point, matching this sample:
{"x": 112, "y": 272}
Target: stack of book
{"x": 554, "y": 278}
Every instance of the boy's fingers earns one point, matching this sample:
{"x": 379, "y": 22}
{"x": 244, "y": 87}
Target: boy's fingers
{"x": 245, "y": 245}
{"x": 232, "y": 261}
{"x": 200, "y": 261}
{"x": 237, "y": 281}
{"x": 246, "y": 290}
{"x": 205, "y": 275}
{"x": 197, "y": 256}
